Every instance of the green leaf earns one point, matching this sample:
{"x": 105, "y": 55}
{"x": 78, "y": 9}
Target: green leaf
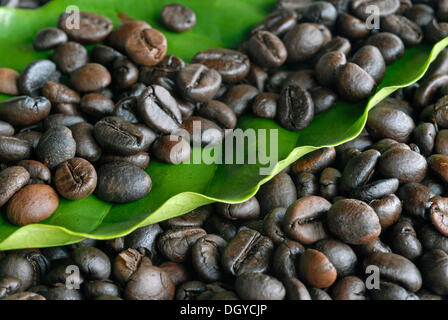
{"x": 180, "y": 189}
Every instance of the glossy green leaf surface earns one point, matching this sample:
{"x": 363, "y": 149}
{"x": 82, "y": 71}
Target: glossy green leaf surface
{"x": 182, "y": 188}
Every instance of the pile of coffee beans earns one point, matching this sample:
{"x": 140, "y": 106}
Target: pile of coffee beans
{"x": 23, "y": 4}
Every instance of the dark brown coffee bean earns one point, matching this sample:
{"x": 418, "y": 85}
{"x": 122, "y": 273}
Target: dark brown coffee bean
{"x": 206, "y": 256}
{"x": 56, "y": 146}
{"x": 149, "y": 136}
{"x": 295, "y": 289}
{"x": 195, "y": 218}
{"x": 307, "y": 184}
{"x": 420, "y": 13}
{"x": 70, "y": 56}
{"x": 49, "y": 38}
{"x": 175, "y": 244}
{"x": 87, "y": 28}
{"x": 177, "y": 17}
{"x": 405, "y": 165}
{"x": 9, "y": 81}
{"x": 220, "y": 113}
{"x": 390, "y": 46}
{"x": 239, "y": 97}
{"x": 327, "y": 67}
{"x": 249, "y": 251}
{"x": 441, "y": 143}
{"x": 302, "y": 42}
{"x": 285, "y": 259}
{"x": 416, "y": 199}
{"x": 232, "y": 65}
{"x": 351, "y": 27}
{"x": 359, "y": 169}
{"x": 90, "y": 77}
{"x": 265, "y": 105}
{"x": 149, "y": 283}
{"x": 427, "y": 94}
{"x": 303, "y": 220}
{"x": 323, "y": 99}
{"x": 37, "y": 170}
{"x": 198, "y": 83}
{"x": 424, "y": 137}
{"x": 97, "y": 105}
{"x": 172, "y": 149}
{"x": 434, "y": 266}
{"x": 86, "y": 145}
{"x": 353, "y": 221}
{"x": 371, "y": 247}
{"x": 12, "y": 179}
{"x": 354, "y": 84}
{"x": 140, "y": 160}
{"x": 24, "y": 111}
{"x": 203, "y": 132}
{"x": 257, "y": 77}
{"x": 375, "y": 190}
{"x": 384, "y": 7}
{"x": 267, "y": 50}
{"x": 396, "y": 269}
{"x": 349, "y": 288}
{"x": 249, "y": 209}
{"x": 304, "y": 78}
{"x": 126, "y": 109}
{"x": 146, "y": 46}
{"x": 319, "y": 294}
{"x": 404, "y": 240}
{"x": 124, "y": 73}
{"x": 177, "y": 272}
{"x": 75, "y": 179}
{"x": 272, "y": 225}
{"x": 31, "y": 136}
{"x": 105, "y": 55}
{"x": 121, "y": 182}
{"x": 118, "y": 37}
{"x": 322, "y": 12}
{"x": 33, "y": 78}
{"x": 279, "y": 192}
{"x": 278, "y": 22}
{"x": 435, "y": 31}
{"x": 316, "y": 270}
{"x": 59, "y": 93}
{"x": 371, "y": 60}
{"x": 438, "y": 214}
{"x": 259, "y": 286}
{"x": 329, "y": 180}
{"x": 340, "y": 255}
{"x": 14, "y": 149}
{"x": 408, "y": 31}
{"x": 315, "y": 161}
{"x": 295, "y": 109}
{"x": 32, "y": 204}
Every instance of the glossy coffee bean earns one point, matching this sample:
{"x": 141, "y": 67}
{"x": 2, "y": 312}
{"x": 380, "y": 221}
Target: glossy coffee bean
{"x": 239, "y": 98}
{"x": 98, "y": 288}
{"x": 375, "y": 190}
{"x": 424, "y": 137}
{"x": 58, "y": 93}
{"x": 354, "y": 84}
{"x": 404, "y": 240}
{"x": 146, "y": 46}
{"x": 421, "y": 14}
{"x": 37, "y": 170}
{"x": 303, "y": 220}
{"x": 295, "y": 109}
{"x": 438, "y": 214}
{"x": 431, "y": 238}
{"x": 426, "y": 94}
{"x": 56, "y": 146}
{"x": 322, "y": 12}
{"x": 285, "y": 259}
{"x": 75, "y": 179}
{"x": 434, "y": 266}
{"x": 121, "y": 182}
{"x": 278, "y": 22}
{"x": 117, "y": 38}
{"x": 92, "y": 27}
{"x": 126, "y": 108}
{"x": 86, "y": 145}
{"x": 232, "y": 65}
{"x": 140, "y": 160}
{"x": 206, "y": 256}
{"x": 396, "y": 269}
{"x": 323, "y": 99}
{"x": 220, "y": 113}
{"x": 24, "y": 111}
{"x": 359, "y": 169}
{"x": 390, "y": 46}
{"x": 267, "y": 50}
{"x": 407, "y": 30}
{"x": 352, "y": 27}
{"x": 316, "y": 270}
{"x": 144, "y": 240}
{"x": 441, "y": 143}
{"x": 9, "y": 286}
{"x": 31, "y": 136}
{"x": 259, "y": 286}
{"x": 198, "y": 82}
{"x": 203, "y": 132}
{"x": 248, "y": 252}
{"x": 302, "y": 42}
{"x": 340, "y": 255}
{"x": 195, "y": 218}
{"x": 295, "y": 289}
{"x": 117, "y": 135}
{"x": 176, "y": 244}
{"x": 315, "y": 161}
{"x": 12, "y": 179}
{"x": 391, "y": 291}
{"x": 435, "y": 31}
{"x": 265, "y": 105}
{"x": 104, "y": 55}
{"x": 97, "y": 105}
{"x": 319, "y": 294}
{"x": 388, "y": 209}
{"x": 9, "y": 81}
{"x": 249, "y": 209}
{"x": 405, "y": 165}
{"x": 328, "y": 66}
{"x": 70, "y": 56}
{"x": 353, "y": 221}
{"x": 349, "y": 288}
{"x": 14, "y": 149}
{"x": 371, "y": 60}
{"x": 35, "y": 75}
{"x": 177, "y": 272}
{"x": 329, "y": 180}
{"x": 272, "y": 225}
{"x": 94, "y": 263}
{"x": 90, "y": 77}
{"x": 15, "y": 265}
{"x": 49, "y": 38}
{"x": 304, "y": 78}
{"x": 124, "y": 73}
{"x": 172, "y": 149}
{"x": 126, "y": 264}
{"x": 384, "y": 7}
{"x": 177, "y": 17}
{"x": 279, "y": 192}
{"x": 32, "y": 204}
{"x": 416, "y": 199}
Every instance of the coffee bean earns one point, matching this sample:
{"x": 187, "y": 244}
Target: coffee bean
{"x": 56, "y": 146}
{"x": 14, "y": 149}
{"x": 198, "y": 83}
{"x": 99, "y": 288}
{"x": 371, "y": 60}
{"x": 390, "y": 46}
{"x": 172, "y": 149}
{"x": 220, "y": 113}
{"x": 90, "y": 77}
{"x": 259, "y": 286}
{"x": 302, "y": 42}
{"x": 175, "y": 244}
{"x": 97, "y": 105}
{"x": 70, "y": 56}
{"x": 392, "y": 291}
{"x": 438, "y": 214}
{"x": 59, "y": 93}
{"x": 316, "y": 270}
{"x": 349, "y": 288}
{"x": 420, "y": 13}
{"x": 140, "y": 160}
{"x": 353, "y": 221}
{"x": 354, "y": 84}
{"x": 86, "y": 145}
{"x": 321, "y": 12}
{"x": 416, "y": 199}
{"x": 267, "y": 50}
{"x": 146, "y": 46}
{"x": 75, "y": 179}
{"x": 404, "y": 240}
{"x": 37, "y": 170}
{"x": 408, "y": 31}
{"x": 126, "y": 108}
{"x": 94, "y": 263}
{"x": 278, "y": 22}
{"x": 295, "y": 108}
{"x": 177, "y": 272}
{"x": 239, "y": 97}
{"x": 441, "y": 143}
{"x": 340, "y": 255}
{"x": 323, "y": 99}
{"x": 384, "y": 7}
{"x": 177, "y": 17}
{"x": 31, "y": 136}
{"x": 105, "y": 55}
{"x": 49, "y": 38}
{"x": 315, "y": 161}
{"x": 121, "y": 182}
{"x": 12, "y": 179}
{"x": 405, "y": 165}
{"x": 117, "y": 38}
{"x": 435, "y": 31}
{"x": 435, "y": 271}
{"x": 35, "y": 75}
{"x": 295, "y": 289}
{"x": 352, "y": 27}
{"x": 9, "y": 81}
{"x": 279, "y": 192}
{"x": 32, "y": 204}
{"x": 24, "y": 111}
{"x": 92, "y": 27}
{"x": 359, "y": 169}
{"x": 17, "y": 266}
{"x": 206, "y": 254}
{"x": 124, "y": 73}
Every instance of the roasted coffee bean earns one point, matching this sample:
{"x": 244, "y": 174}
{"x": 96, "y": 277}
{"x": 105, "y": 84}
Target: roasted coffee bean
{"x": 32, "y": 204}
{"x": 59, "y": 93}
{"x": 362, "y": 143}
{"x": 321, "y": 12}
{"x": 323, "y": 99}
{"x": 327, "y": 67}
{"x": 36, "y": 169}
{"x": 307, "y": 184}
{"x": 146, "y": 46}
{"x": 70, "y": 56}
{"x": 279, "y": 192}
{"x": 248, "y": 252}
{"x": 316, "y": 270}
{"x": 441, "y": 143}
{"x": 329, "y": 180}
{"x": 352, "y": 27}
{"x": 56, "y": 146}
{"x": 303, "y": 220}
{"x": 340, "y": 255}
{"x": 117, "y": 135}
{"x": 359, "y": 169}
{"x": 353, "y": 221}
{"x": 144, "y": 240}
{"x": 92, "y": 27}
{"x": 416, "y": 199}
{"x": 124, "y": 73}
{"x": 295, "y": 109}
{"x": 232, "y": 65}
{"x": 431, "y": 238}
{"x": 404, "y": 240}
{"x": 272, "y": 225}
{"x": 315, "y": 161}
{"x": 14, "y": 149}
{"x": 239, "y": 97}
{"x": 122, "y": 182}
{"x": 437, "y": 163}
{"x": 175, "y": 244}
{"x": 375, "y": 190}
{"x": 9, "y": 81}
{"x": 12, "y": 179}
{"x": 407, "y": 30}
{"x": 384, "y": 7}
{"x": 259, "y": 286}
{"x": 249, "y": 209}
{"x": 35, "y": 75}
{"x": 420, "y": 13}
{"x": 25, "y": 296}
{"x": 31, "y": 136}
{"x": 203, "y": 132}
{"x": 354, "y": 84}
{"x": 319, "y": 294}
{"x": 303, "y": 41}
{"x": 177, "y": 17}
{"x": 126, "y": 264}
{"x": 172, "y": 149}
{"x": 198, "y": 83}
{"x": 371, "y": 60}
{"x": 49, "y": 38}
{"x": 390, "y": 46}
{"x": 435, "y": 31}
{"x": 9, "y": 286}
{"x": 278, "y": 22}
{"x": 90, "y": 77}
{"x": 126, "y": 108}
{"x": 24, "y": 111}
{"x": 220, "y": 113}
{"x": 177, "y": 272}
{"x": 424, "y": 137}
{"x": 349, "y": 288}
{"x": 391, "y": 291}
{"x": 75, "y": 179}
{"x": 267, "y": 50}
{"x": 223, "y": 227}
{"x": 105, "y": 55}
{"x": 295, "y": 289}
{"x": 86, "y": 145}
{"x": 405, "y": 165}
{"x": 94, "y": 263}
{"x": 388, "y": 209}
{"x": 303, "y": 78}
{"x": 265, "y": 105}
{"x": 285, "y": 259}
{"x": 99, "y": 288}
{"x": 435, "y": 271}
{"x": 15, "y": 265}
{"x": 117, "y": 38}
{"x": 195, "y": 218}
{"x": 140, "y": 160}
{"x": 434, "y": 183}
{"x": 426, "y": 94}
{"x": 149, "y": 283}
{"x": 396, "y": 269}
{"x": 438, "y": 212}
{"x": 97, "y": 105}
{"x": 206, "y": 254}
{"x": 190, "y": 290}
